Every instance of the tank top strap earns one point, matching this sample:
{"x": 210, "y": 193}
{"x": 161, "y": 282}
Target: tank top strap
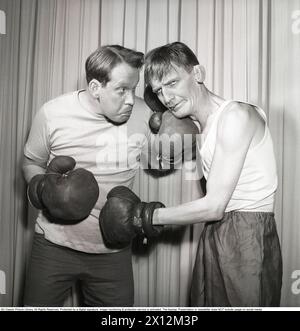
{"x": 219, "y": 111}
{"x": 214, "y": 124}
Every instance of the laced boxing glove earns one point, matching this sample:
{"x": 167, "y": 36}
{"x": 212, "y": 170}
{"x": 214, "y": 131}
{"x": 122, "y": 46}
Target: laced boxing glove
{"x": 124, "y": 216}
{"x": 65, "y": 195}
{"x": 177, "y": 137}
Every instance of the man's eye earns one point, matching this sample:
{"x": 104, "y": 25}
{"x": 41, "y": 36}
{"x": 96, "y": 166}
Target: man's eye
{"x": 158, "y": 92}
{"x": 122, "y": 90}
{"x": 172, "y": 83}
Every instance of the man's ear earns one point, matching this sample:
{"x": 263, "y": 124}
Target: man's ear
{"x": 199, "y": 73}
{"x": 94, "y": 88}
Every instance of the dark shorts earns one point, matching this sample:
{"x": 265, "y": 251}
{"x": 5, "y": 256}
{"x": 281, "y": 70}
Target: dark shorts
{"x": 106, "y": 280}
{"x": 238, "y": 262}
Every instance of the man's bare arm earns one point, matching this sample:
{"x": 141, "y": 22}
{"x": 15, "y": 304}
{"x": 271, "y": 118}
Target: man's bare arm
{"x": 235, "y": 132}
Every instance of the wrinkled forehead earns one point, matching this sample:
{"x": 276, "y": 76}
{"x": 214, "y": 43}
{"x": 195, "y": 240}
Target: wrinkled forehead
{"x": 159, "y": 72}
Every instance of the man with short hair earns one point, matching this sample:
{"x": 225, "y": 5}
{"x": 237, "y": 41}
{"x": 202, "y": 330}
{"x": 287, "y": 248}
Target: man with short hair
{"x": 105, "y": 130}
{"x": 238, "y": 261}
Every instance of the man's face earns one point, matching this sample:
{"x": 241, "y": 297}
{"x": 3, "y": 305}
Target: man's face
{"x": 177, "y": 91}
{"x": 117, "y": 96}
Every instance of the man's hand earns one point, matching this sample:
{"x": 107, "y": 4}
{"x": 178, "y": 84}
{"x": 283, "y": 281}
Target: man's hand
{"x": 124, "y": 216}
{"x": 65, "y": 195}
{"x": 176, "y": 138}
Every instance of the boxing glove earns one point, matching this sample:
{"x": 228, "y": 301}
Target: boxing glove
{"x": 176, "y": 137}
{"x": 156, "y": 106}
{"x": 64, "y": 194}
{"x": 125, "y": 216}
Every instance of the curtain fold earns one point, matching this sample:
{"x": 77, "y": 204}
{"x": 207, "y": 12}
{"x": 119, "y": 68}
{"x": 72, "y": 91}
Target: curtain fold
{"x": 11, "y": 190}
{"x": 284, "y": 116}
{"x": 250, "y": 52}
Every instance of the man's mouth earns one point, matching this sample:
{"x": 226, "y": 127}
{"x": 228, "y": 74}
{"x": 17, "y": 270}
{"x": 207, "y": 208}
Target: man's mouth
{"x": 175, "y": 107}
{"x": 127, "y": 112}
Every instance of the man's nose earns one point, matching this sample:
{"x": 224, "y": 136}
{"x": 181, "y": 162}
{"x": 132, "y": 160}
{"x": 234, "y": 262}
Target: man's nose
{"x": 130, "y": 97}
{"x": 167, "y": 97}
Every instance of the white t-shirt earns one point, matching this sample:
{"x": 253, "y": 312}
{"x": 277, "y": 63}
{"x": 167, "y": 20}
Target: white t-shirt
{"x": 111, "y": 152}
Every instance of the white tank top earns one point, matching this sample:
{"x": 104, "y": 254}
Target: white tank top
{"x": 255, "y": 190}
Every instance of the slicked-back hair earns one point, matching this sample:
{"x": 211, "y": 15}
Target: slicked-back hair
{"x": 160, "y": 60}
{"x": 102, "y": 61}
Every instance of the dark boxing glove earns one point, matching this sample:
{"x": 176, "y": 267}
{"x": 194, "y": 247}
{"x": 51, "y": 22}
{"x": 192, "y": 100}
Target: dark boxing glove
{"x": 156, "y": 106}
{"x": 124, "y": 216}
{"x": 177, "y": 139}
{"x": 65, "y": 195}
{"x": 171, "y": 146}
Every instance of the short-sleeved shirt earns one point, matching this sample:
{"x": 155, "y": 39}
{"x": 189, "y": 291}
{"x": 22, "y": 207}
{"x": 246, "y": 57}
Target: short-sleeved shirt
{"x": 111, "y": 152}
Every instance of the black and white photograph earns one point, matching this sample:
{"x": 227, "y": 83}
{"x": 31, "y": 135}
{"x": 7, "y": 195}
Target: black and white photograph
{"x": 149, "y": 155}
